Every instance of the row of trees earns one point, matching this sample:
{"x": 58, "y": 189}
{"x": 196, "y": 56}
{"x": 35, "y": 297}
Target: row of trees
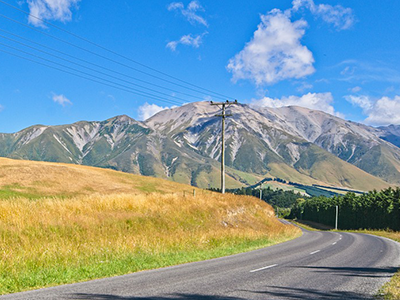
{"x": 373, "y": 210}
{"x": 277, "y": 197}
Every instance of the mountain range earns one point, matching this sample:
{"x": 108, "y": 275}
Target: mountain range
{"x": 183, "y": 144}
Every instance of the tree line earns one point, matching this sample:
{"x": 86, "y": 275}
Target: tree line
{"x": 372, "y": 210}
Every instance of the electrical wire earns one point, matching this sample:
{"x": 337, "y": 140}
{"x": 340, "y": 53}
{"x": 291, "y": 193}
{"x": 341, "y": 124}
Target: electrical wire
{"x": 99, "y": 55}
{"x": 93, "y": 64}
{"x": 98, "y": 79}
{"x": 110, "y": 51}
{"x": 91, "y": 69}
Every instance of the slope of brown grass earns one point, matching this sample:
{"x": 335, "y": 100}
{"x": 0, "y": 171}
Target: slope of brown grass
{"x": 115, "y": 225}
{"x": 38, "y": 179}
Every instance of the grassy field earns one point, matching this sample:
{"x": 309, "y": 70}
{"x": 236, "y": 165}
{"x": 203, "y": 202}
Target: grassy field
{"x": 63, "y": 223}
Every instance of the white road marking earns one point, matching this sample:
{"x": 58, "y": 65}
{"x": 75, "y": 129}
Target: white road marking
{"x": 316, "y": 251}
{"x": 334, "y": 243}
{"x": 260, "y": 269}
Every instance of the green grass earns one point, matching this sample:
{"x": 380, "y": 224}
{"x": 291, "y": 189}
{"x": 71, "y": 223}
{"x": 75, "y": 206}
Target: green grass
{"x": 55, "y": 241}
{"x": 111, "y": 263}
{"x": 57, "y": 227}
{"x": 16, "y": 190}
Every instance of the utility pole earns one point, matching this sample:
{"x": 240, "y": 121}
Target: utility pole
{"x": 223, "y": 115}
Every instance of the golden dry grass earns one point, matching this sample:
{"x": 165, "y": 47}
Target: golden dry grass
{"x": 115, "y": 225}
{"x": 57, "y": 179}
{"x": 39, "y": 238}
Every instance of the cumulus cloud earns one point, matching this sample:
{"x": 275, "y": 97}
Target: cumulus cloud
{"x": 340, "y": 17}
{"x": 383, "y": 111}
{"x": 148, "y": 110}
{"x": 59, "y": 10}
{"x": 190, "y": 12}
{"x": 317, "y": 101}
{"x": 274, "y": 53}
{"x": 188, "y": 40}
{"x": 61, "y": 99}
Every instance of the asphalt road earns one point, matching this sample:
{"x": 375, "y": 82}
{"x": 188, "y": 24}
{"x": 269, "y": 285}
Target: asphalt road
{"x": 318, "y": 265}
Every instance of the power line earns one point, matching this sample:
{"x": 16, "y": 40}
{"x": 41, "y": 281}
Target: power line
{"x": 107, "y": 82}
{"x": 101, "y": 56}
{"x": 93, "y": 64}
{"x": 88, "y": 68}
{"x": 115, "y": 53}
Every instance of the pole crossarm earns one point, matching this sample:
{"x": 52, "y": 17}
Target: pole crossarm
{"x": 223, "y": 106}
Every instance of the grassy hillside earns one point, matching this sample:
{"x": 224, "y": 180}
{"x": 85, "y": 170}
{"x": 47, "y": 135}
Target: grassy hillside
{"x": 33, "y": 180}
{"x": 65, "y": 223}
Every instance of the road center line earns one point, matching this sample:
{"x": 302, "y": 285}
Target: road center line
{"x": 316, "y": 251}
{"x": 334, "y": 243}
{"x": 260, "y": 269}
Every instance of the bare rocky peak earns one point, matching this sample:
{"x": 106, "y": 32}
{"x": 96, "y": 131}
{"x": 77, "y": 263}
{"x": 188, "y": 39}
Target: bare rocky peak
{"x": 188, "y": 114}
{"x": 312, "y": 124}
{"x": 197, "y": 113}
{"x": 123, "y": 119}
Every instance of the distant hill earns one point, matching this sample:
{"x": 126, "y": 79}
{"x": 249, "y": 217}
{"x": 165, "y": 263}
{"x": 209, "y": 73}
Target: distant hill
{"x": 183, "y": 144}
{"x": 391, "y": 134}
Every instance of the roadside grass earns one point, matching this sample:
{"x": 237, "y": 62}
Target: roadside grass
{"x": 57, "y": 240}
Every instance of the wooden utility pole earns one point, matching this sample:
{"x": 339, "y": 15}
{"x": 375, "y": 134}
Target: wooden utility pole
{"x": 223, "y": 115}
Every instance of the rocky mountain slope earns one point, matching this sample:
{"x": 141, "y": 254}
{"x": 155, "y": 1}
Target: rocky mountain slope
{"x": 183, "y": 144}
{"x": 368, "y": 148}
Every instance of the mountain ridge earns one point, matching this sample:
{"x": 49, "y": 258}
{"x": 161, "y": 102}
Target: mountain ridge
{"x": 183, "y": 144}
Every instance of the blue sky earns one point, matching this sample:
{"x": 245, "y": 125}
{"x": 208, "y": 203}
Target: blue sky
{"x": 342, "y": 57}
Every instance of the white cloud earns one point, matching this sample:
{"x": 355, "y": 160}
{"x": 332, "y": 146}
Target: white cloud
{"x": 190, "y": 12}
{"x": 383, "y": 111}
{"x": 364, "y": 102}
{"x": 148, "y": 110}
{"x": 61, "y": 99}
{"x": 355, "y": 89}
{"x": 274, "y": 53}
{"x": 1, "y": 108}
{"x": 341, "y": 17}
{"x": 59, "y": 10}
{"x": 317, "y": 101}
{"x": 187, "y": 40}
